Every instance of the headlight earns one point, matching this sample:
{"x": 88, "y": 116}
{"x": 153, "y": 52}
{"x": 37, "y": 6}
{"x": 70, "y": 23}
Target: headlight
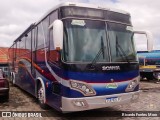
{"x": 131, "y": 86}
{"x": 85, "y": 89}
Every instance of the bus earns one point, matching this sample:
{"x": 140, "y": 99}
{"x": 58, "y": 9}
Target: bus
{"x": 77, "y": 57}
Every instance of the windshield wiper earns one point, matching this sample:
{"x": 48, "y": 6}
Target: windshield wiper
{"x": 101, "y": 51}
{"x": 120, "y": 50}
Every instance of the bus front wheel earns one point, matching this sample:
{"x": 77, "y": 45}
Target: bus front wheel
{"x": 41, "y": 97}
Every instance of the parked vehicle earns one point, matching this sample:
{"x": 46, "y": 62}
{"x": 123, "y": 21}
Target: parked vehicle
{"x": 149, "y": 64}
{"x": 4, "y": 86}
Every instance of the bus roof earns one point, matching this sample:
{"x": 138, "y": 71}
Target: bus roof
{"x": 87, "y": 5}
{"x": 101, "y": 7}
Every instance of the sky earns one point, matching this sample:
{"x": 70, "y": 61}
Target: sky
{"x": 17, "y": 15}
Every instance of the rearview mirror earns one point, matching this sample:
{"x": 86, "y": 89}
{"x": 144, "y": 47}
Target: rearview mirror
{"x": 149, "y": 39}
{"x": 57, "y": 27}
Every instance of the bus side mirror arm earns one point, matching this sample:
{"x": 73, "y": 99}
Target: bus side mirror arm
{"x": 149, "y": 38}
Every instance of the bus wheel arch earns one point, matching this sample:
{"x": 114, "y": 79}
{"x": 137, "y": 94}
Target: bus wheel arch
{"x": 40, "y": 93}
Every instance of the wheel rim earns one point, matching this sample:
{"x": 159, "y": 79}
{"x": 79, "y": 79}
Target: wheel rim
{"x": 41, "y": 95}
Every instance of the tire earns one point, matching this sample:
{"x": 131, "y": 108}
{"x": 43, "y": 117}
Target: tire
{"x": 142, "y": 76}
{"x": 41, "y": 97}
{"x": 149, "y": 76}
{"x": 156, "y": 75}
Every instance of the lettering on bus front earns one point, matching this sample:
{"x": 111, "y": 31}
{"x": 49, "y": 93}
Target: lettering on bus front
{"x": 110, "y": 67}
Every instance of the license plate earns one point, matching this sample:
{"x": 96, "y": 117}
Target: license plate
{"x": 112, "y": 99}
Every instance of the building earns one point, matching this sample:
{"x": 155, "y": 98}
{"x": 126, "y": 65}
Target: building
{"x": 4, "y": 59}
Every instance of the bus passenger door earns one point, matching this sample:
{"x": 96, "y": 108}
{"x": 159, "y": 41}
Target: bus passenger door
{"x": 53, "y": 61}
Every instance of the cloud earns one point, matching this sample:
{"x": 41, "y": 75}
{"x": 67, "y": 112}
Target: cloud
{"x": 144, "y": 13}
{"x": 17, "y": 15}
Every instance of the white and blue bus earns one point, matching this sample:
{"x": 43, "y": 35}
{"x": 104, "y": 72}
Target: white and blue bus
{"x": 77, "y": 57}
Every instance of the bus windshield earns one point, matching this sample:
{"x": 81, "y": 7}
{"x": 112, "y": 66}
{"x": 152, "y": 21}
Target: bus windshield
{"x": 121, "y": 42}
{"x": 83, "y": 39}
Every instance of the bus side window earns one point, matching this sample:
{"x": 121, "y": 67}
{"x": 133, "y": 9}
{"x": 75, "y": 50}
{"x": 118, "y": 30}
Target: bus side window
{"x": 52, "y": 52}
{"x": 53, "y": 55}
{"x": 50, "y": 45}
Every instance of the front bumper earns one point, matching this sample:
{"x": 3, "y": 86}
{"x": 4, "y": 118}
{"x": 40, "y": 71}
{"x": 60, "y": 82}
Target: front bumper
{"x": 97, "y": 101}
{"x": 4, "y": 91}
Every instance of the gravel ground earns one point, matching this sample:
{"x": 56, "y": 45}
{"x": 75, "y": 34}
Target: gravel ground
{"x": 149, "y": 100}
